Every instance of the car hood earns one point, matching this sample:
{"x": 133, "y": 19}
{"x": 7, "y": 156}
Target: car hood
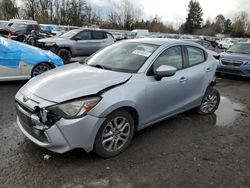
{"x": 236, "y": 57}
{"x": 53, "y": 39}
{"x": 72, "y": 81}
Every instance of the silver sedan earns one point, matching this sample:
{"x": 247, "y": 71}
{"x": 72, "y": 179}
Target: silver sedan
{"x": 121, "y": 89}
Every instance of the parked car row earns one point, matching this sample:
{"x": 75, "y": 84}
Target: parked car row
{"x": 227, "y": 43}
{"x": 19, "y": 61}
{"x": 57, "y": 30}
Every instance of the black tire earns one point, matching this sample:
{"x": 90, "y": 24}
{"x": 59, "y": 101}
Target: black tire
{"x": 20, "y": 38}
{"x": 40, "y": 68}
{"x": 99, "y": 146}
{"x": 65, "y": 54}
{"x": 210, "y": 102}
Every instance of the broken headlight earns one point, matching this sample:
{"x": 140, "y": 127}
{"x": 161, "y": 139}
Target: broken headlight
{"x": 74, "y": 108}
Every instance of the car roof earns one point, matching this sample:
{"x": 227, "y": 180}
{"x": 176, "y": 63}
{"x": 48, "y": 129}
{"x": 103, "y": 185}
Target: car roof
{"x": 162, "y": 41}
{"x": 23, "y": 21}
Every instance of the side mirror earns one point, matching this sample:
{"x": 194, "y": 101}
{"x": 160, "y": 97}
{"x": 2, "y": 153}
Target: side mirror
{"x": 164, "y": 71}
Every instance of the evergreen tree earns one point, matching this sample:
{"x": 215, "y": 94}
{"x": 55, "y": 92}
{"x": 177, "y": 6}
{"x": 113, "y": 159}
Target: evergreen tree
{"x": 228, "y": 26}
{"x": 194, "y": 19}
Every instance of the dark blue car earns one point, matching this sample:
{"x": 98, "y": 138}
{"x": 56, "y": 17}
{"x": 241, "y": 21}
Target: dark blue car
{"x": 236, "y": 60}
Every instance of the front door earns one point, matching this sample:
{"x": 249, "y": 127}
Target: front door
{"x": 170, "y": 94}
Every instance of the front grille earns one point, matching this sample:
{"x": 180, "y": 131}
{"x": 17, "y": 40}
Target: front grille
{"x": 230, "y": 71}
{"x": 231, "y": 63}
{"x": 40, "y": 45}
{"x": 24, "y": 115}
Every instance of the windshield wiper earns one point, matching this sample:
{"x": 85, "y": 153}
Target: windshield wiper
{"x": 100, "y": 66}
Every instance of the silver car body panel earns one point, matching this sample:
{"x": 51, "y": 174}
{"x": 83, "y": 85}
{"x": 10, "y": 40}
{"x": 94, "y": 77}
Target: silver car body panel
{"x": 84, "y": 80}
{"x": 23, "y": 72}
{"x": 153, "y": 100}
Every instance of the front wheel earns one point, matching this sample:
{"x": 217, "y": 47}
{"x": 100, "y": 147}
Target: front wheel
{"x": 65, "y": 55}
{"x": 39, "y": 69}
{"x": 210, "y": 102}
{"x": 115, "y": 134}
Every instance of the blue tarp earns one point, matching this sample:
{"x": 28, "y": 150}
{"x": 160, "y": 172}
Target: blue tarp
{"x": 13, "y": 52}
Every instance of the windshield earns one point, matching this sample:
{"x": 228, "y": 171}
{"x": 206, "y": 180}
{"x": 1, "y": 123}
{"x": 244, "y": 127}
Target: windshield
{"x": 17, "y": 26}
{"x": 241, "y": 48}
{"x": 234, "y": 41}
{"x": 59, "y": 28}
{"x": 69, "y": 34}
{"x": 123, "y": 57}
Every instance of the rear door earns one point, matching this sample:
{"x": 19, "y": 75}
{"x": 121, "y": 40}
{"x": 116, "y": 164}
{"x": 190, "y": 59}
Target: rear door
{"x": 83, "y": 43}
{"x": 200, "y": 71}
{"x": 99, "y": 40}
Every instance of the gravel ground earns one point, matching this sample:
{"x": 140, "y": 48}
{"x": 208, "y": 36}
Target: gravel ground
{"x": 187, "y": 150}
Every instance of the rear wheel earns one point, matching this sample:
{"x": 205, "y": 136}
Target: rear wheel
{"x": 65, "y": 55}
{"x": 40, "y": 68}
{"x": 115, "y": 134}
{"x": 210, "y": 102}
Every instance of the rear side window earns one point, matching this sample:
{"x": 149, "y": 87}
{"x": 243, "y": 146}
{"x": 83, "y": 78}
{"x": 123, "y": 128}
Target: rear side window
{"x": 98, "y": 35}
{"x": 195, "y": 55}
{"x": 171, "y": 56}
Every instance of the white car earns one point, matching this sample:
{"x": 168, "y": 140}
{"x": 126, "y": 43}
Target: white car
{"x": 227, "y": 43}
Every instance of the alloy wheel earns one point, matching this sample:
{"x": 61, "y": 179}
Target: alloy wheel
{"x": 115, "y": 134}
{"x": 209, "y": 103}
{"x": 40, "y": 69}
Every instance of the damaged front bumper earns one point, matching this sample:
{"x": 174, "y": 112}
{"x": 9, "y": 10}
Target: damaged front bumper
{"x": 63, "y": 135}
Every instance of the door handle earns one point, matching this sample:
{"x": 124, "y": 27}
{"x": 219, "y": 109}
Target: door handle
{"x": 209, "y": 69}
{"x": 183, "y": 80}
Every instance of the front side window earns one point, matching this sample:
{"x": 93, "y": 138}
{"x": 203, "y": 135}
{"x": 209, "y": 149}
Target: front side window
{"x": 195, "y": 55}
{"x": 123, "y": 57}
{"x": 84, "y": 35}
{"x": 172, "y": 57}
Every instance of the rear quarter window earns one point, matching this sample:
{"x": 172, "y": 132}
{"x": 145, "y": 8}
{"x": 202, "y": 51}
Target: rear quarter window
{"x": 195, "y": 55}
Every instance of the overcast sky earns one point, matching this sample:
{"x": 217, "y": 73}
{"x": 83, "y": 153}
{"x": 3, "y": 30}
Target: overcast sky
{"x": 175, "y": 11}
